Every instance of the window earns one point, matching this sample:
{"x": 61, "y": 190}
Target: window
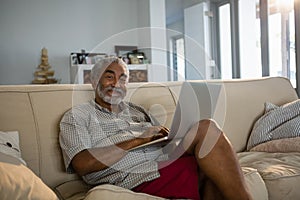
{"x": 225, "y": 42}
{"x": 282, "y": 39}
{"x": 256, "y": 38}
{"x": 250, "y": 48}
{"x": 178, "y": 59}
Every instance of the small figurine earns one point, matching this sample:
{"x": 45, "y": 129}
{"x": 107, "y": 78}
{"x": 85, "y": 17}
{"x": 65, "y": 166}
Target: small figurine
{"x": 43, "y": 75}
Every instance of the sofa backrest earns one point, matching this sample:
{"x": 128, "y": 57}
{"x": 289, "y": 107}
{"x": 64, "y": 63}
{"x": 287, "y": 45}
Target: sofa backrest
{"x": 35, "y": 111}
{"x": 245, "y": 104}
{"x": 240, "y": 103}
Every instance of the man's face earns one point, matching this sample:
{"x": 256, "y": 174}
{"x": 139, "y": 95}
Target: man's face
{"x": 111, "y": 88}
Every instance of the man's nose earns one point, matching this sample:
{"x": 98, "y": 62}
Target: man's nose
{"x": 116, "y": 82}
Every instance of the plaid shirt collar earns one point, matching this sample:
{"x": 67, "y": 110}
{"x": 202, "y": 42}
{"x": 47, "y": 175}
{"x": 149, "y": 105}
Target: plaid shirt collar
{"x": 123, "y": 106}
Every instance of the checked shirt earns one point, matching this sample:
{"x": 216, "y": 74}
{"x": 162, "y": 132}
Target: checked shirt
{"x": 89, "y": 125}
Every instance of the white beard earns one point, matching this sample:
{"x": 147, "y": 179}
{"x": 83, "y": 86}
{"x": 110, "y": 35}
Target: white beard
{"x": 114, "y": 99}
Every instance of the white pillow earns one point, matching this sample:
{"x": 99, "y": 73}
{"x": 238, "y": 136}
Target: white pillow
{"x": 9, "y": 144}
{"x": 19, "y": 182}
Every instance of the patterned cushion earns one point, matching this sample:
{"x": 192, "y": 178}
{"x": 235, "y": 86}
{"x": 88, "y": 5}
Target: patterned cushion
{"x": 9, "y": 144}
{"x": 277, "y": 122}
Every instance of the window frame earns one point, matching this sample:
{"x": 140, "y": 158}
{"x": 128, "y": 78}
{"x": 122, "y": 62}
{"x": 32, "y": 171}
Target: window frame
{"x": 236, "y": 71}
{"x": 174, "y": 73}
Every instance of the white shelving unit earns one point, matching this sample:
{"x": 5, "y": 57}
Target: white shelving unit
{"x": 79, "y": 73}
{"x": 81, "y": 65}
{"x": 138, "y": 73}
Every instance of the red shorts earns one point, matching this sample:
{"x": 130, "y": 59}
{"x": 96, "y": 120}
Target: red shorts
{"x": 177, "y": 180}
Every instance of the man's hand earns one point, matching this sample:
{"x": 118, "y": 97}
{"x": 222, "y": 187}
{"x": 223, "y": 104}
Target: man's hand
{"x": 155, "y": 132}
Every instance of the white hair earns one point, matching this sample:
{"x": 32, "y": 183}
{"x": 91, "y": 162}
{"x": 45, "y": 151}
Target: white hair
{"x": 100, "y": 67}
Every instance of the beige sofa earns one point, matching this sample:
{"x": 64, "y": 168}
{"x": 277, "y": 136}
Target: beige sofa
{"x": 35, "y": 111}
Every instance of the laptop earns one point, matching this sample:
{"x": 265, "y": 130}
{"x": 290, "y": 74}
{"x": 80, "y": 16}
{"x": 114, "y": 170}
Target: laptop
{"x": 196, "y": 101}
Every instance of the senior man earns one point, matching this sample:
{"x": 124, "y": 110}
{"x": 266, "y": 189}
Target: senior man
{"x": 97, "y": 137}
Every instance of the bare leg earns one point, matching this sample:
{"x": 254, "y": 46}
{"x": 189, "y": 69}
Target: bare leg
{"x": 210, "y": 191}
{"x": 216, "y": 159}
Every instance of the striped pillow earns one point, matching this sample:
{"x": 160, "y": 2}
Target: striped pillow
{"x": 276, "y": 123}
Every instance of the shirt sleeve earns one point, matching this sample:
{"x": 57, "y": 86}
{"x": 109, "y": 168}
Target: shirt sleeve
{"x": 74, "y": 136}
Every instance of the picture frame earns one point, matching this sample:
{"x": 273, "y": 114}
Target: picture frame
{"x": 86, "y": 58}
{"x": 122, "y": 51}
{"x": 136, "y": 57}
{"x": 73, "y": 59}
{"x": 86, "y": 76}
{"x": 138, "y": 75}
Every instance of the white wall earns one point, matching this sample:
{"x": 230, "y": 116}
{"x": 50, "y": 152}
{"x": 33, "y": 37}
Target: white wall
{"x": 197, "y": 42}
{"x": 62, "y": 26}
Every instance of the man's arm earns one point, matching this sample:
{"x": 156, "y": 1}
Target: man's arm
{"x": 96, "y": 159}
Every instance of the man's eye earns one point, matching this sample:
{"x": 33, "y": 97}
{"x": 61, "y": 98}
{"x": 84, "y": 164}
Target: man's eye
{"x": 109, "y": 77}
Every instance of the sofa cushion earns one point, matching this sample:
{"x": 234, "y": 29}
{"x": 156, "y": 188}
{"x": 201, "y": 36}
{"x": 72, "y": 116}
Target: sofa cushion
{"x": 71, "y": 190}
{"x": 280, "y": 172}
{"x": 280, "y": 145}
{"x": 253, "y": 179}
{"x": 110, "y": 192}
{"x": 278, "y": 122}
{"x": 19, "y": 182}
{"x": 78, "y": 190}
{"x": 50, "y": 156}
{"x": 16, "y": 114}
{"x": 255, "y": 183}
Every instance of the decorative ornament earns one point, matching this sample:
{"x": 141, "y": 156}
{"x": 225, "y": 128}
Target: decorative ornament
{"x": 43, "y": 75}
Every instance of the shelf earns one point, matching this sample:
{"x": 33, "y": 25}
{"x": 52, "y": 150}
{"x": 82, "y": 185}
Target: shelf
{"x": 85, "y": 58}
{"x": 137, "y": 73}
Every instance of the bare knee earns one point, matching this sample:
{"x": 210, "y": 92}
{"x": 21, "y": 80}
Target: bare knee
{"x": 208, "y": 124}
{"x": 209, "y": 128}
{"x": 204, "y": 131}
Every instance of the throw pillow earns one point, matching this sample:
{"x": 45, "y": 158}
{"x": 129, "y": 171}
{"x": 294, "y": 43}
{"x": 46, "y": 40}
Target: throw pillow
{"x": 276, "y": 123}
{"x": 9, "y": 144}
{"x": 19, "y": 182}
{"x": 280, "y": 145}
